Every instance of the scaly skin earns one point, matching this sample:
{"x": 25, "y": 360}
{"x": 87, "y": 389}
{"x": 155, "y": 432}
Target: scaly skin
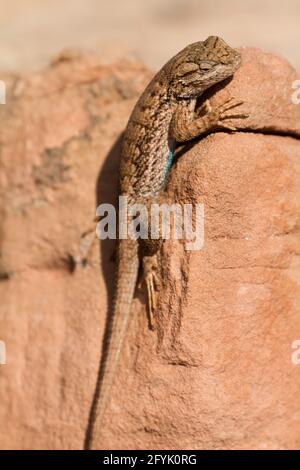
{"x": 163, "y": 115}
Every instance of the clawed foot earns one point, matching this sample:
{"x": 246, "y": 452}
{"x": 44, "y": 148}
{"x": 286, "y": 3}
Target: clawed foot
{"x": 87, "y": 241}
{"x": 151, "y": 280}
{"x": 218, "y": 115}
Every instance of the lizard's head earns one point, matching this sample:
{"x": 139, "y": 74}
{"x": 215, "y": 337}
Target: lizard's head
{"x": 200, "y": 65}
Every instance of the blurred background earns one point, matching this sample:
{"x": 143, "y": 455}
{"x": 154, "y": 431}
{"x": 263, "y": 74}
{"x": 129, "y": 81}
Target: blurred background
{"x": 32, "y": 31}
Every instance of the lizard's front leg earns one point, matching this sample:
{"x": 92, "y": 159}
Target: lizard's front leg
{"x": 185, "y": 125}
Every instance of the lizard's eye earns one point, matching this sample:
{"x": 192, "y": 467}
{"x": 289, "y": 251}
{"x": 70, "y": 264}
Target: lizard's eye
{"x": 206, "y": 65}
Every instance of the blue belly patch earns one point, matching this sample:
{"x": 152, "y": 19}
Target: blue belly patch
{"x": 170, "y": 157}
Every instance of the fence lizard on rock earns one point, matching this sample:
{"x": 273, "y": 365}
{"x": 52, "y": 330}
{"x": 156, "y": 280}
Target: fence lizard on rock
{"x": 164, "y": 114}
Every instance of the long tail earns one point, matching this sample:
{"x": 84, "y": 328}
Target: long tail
{"x": 127, "y": 272}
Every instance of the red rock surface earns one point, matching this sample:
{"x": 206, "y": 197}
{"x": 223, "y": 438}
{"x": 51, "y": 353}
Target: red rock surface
{"x": 217, "y": 373}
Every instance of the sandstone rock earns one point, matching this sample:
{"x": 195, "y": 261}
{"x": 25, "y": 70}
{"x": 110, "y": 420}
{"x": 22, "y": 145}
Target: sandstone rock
{"x": 266, "y": 84}
{"x": 217, "y": 373}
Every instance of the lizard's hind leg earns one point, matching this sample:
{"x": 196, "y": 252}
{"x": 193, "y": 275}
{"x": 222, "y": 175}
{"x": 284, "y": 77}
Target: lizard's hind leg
{"x": 150, "y": 250}
{"x": 149, "y": 253}
{"x": 151, "y": 280}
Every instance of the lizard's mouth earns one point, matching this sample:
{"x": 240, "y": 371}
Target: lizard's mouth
{"x": 236, "y": 63}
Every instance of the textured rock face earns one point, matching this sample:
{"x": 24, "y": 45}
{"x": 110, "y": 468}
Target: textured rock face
{"x": 217, "y": 372}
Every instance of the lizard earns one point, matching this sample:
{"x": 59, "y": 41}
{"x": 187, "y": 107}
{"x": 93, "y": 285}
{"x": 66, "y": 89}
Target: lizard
{"x": 164, "y": 115}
